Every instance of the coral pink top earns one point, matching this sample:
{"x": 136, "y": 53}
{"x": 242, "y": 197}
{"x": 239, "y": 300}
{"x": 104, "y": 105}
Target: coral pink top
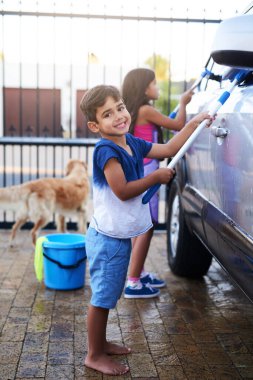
{"x": 146, "y": 132}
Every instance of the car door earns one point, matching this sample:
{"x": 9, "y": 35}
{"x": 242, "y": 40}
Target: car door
{"x": 219, "y": 167}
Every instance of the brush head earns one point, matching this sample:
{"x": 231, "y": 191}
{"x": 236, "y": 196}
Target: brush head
{"x": 232, "y": 73}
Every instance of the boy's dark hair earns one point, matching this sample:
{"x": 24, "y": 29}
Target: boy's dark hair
{"x": 96, "y": 97}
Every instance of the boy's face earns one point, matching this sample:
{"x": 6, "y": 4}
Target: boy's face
{"x": 113, "y": 119}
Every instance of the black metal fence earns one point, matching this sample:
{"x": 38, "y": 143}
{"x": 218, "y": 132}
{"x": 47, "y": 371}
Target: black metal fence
{"x": 51, "y": 52}
{"x": 26, "y": 159}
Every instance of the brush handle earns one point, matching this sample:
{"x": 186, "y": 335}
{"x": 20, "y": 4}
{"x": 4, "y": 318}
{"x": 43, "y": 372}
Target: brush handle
{"x": 153, "y": 189}
{"x": 149, "y": 194}
{"x": 215, "y": 107}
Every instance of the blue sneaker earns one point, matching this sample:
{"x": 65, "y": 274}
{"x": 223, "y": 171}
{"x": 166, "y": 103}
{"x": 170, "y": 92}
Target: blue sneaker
{"x": 152, "y": 280}
{"x": 141, "y": 291}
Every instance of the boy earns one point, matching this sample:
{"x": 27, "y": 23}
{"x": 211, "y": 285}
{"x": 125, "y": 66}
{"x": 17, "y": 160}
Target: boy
{"x": 119, "y": 215}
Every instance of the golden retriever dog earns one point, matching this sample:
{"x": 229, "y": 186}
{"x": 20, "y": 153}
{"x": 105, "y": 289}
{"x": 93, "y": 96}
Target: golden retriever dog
{"x": 38, "y": 200}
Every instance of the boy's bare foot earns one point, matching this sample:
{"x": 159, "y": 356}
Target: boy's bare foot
{"x": 116, "y": 349}
{"x": 106, "y": 365}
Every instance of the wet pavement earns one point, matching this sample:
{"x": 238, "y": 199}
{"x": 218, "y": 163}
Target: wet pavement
{"x": 195, "y": 330}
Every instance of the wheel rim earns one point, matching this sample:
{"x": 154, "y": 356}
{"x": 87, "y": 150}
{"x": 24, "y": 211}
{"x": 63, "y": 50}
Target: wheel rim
{"x": 174, "y": 225}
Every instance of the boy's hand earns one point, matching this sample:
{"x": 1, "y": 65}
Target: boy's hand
{"x": 186, "y": 97}
{"x": 201, "y": 117}
{"x": 164, "y": 175}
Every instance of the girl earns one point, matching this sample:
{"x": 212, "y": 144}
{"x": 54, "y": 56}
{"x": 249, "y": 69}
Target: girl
{"x": 138, "y": 91}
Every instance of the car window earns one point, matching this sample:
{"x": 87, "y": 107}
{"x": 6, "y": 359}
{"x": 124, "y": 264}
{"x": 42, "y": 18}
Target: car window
{"x": 249, "y": 11}
{"x": 214, "y": 81}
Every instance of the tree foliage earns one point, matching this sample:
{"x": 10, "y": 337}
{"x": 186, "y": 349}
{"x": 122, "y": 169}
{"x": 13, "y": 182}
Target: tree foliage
{"x": 161, "y": 66}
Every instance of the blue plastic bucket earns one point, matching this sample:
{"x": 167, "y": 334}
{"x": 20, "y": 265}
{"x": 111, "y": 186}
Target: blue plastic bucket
{"x": 64, "y": 261}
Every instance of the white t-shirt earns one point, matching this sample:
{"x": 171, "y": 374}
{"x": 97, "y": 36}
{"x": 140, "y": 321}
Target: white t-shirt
{"x": 113, "y": 217}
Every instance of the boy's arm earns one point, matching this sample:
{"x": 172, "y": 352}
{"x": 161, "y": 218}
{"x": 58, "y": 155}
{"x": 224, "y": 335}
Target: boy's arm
{"x": 177, "y": 141}
{"x": 126, "y": 190}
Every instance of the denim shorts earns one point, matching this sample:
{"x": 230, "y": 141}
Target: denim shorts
{"x": 108, "y": 262}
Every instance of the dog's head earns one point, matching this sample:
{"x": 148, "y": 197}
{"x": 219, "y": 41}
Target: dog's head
{"x": 74, "y": 164}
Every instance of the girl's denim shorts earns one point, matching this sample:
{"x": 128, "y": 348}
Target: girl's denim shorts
{"x": 108, "y": 263}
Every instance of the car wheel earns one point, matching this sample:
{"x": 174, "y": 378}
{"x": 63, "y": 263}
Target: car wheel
{"x": 186, "y": 254}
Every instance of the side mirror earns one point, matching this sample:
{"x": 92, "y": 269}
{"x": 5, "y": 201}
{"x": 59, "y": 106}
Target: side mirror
{"x": 233, "y": 42}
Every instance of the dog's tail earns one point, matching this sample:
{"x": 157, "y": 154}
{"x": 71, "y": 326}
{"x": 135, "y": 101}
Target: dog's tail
{"x": 13, "y": 194}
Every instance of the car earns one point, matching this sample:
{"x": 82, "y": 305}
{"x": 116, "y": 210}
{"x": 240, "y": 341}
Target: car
{"x": 210, "y": 200}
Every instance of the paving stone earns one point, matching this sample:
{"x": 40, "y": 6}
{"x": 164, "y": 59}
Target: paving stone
{"x": 11, "y": 282}
{"x": 168, "y": 309}
{"x": 83, "y": 373}
{"x": 156, "y": 333}
{"x": 225, "y": 372}
{"x": 145, "y": 378}
{"x": 79, "y": 358}
{"x": 10, "y": 352}
{"x": 196, "y": 329}
{"x": 23, "y": 300}
{"x": 167, "y": 372}
{"x": 29, "y": 358}
{"x": 60, "y": 372}
{"x": 114, "y": 331}
{"x": 6, "y": 295}
{"x": 242, "y": 360}
{"x": 61, "y": 332}
{"x": 127, "y": 376}
{"x": 249, "y": 346}
{"x": 190, "y": 359}
{"x": 36, "y": 342}
{"x": 159, "y": 349}
{"x": 12, "y": 332}
{"x": 246, "y": 372}
{"x": 148, "y": 312}
{"x": 19, "y": 315}
{"x": 39, "y": 323}
{"x": 30, "y": 369}
{"x": 190, "y": 315}
{"x": 166, "y": 360}
{"x": 60, "y": 354}
{"x": 2, "y": 323}
{"x": 132, "y": 326}
{"x": 185, "y": 345}
{"x": 45, "y": 294}
{"x": 141, "y": 365}
{"x": 197, "y": 372}
{"x": 137, "y": 341}
{"x": 201, "y": 331}
{"x": 232, "y": 343}
{"x": 7, "y": 371}
{"x": 214, "y": 353}
{"x": 29, "y": 378}
{"x": 176, "y": 326}
{"x": 80, "y": 342}
{"x": 43, "y": 307}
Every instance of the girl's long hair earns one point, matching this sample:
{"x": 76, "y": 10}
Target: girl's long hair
{"x": 133, "y": 91}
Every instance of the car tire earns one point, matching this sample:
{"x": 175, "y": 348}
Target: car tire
{"x": 187, "y": 256}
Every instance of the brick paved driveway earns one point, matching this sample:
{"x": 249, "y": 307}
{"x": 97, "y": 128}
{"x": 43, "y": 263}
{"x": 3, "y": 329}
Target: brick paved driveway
{"x": 195, "y": 330}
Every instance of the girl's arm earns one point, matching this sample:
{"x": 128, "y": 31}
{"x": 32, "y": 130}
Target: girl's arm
{"x": 150, "y": 114}
{"x": 126, "y": 190}
{"x": 177, "y": 141}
